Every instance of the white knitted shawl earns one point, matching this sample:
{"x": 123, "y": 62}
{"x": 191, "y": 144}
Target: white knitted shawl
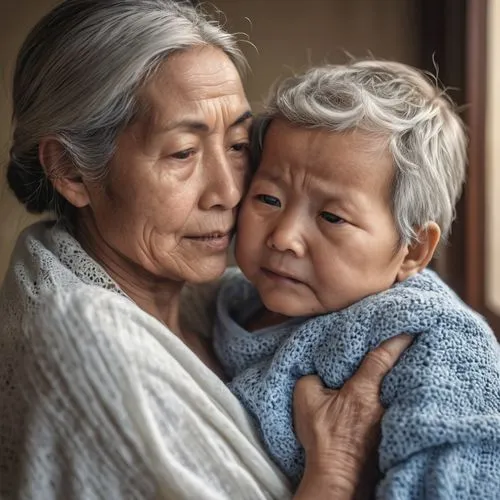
{"x": 99, "y": 400}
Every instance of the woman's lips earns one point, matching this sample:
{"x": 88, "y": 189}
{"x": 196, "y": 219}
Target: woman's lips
{"x": 218, "y": 241}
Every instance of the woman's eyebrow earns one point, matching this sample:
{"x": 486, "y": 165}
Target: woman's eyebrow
{"x": 200, "y": 126}
{"x": 242, "y": 118}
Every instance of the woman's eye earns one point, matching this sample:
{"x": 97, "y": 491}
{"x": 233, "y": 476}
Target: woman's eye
{"x": 183, "y": 155}
{"x": 240, "y": 146}
{"x": 269, "y": 200}
{"x": 331, "y": 218}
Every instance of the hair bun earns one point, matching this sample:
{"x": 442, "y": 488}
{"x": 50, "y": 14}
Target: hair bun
{"x": 30, "y": 185}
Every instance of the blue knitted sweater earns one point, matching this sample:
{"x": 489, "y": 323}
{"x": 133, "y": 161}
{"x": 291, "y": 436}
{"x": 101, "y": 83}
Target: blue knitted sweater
{"x": 441, "y": 430}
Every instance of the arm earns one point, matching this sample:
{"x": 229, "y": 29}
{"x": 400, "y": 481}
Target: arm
{"x": 339, "y": 430}
{"x": 441, "y": 432}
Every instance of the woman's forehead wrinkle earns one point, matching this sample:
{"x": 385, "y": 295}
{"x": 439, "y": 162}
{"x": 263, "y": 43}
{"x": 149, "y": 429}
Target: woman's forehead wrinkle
{"x": 198, "y": 115}
{"x": 198, "y": 82}
{"x": 212, "y": 88}
{"x": 195, "y": 99}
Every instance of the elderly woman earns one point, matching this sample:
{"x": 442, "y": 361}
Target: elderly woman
{"x": 131, "y": 125}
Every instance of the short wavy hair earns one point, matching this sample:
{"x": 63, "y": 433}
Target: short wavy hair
{"x": 424, "y": 132}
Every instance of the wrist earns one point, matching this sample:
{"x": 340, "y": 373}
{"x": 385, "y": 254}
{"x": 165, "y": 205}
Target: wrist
{"x": 328, "y": 477}
{"x": 323, "y": 488}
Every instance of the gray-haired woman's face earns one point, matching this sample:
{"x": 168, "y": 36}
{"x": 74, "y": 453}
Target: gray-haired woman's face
{"x": 179, "y": 173}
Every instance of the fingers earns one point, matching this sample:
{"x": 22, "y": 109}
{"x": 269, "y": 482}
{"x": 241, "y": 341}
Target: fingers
{"x": 381, "y": 360}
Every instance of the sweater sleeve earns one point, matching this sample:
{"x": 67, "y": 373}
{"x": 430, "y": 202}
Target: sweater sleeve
{"x": 441, "y": 431}
{"x": 120, "y": 408}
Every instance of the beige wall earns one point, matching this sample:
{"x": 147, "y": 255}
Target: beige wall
{"x": 492, "y": 228}
{"x": 289, "y": 34}
{"x": 16, "y": 18}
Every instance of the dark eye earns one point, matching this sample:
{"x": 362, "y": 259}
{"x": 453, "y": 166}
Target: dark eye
{"x": 269, "y": 200}
{"x": 331, "y": 218}
{"x": 183, "y": 155}
{"x": 241, "y": 146}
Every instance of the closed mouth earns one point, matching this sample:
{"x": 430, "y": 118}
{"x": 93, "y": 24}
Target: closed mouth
{"x": 279, "y": 274}
{"x": 210, "y": 236}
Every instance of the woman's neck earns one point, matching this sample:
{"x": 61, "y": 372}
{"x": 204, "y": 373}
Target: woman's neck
{"x": 160, "y": 297}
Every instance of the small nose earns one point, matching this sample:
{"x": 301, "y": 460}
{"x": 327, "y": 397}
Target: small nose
{"x": 288, "y": 235}
{"x": 224, "y": 182}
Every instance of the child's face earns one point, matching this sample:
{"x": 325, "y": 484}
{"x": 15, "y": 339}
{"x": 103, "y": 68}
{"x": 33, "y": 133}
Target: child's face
{"x": 315, "y": 231}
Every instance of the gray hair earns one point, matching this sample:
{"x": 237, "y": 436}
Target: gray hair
{"x": 77, "y": 77}
{"x": 425, "y": 135}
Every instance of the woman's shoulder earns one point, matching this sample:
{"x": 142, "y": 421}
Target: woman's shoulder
{"x": 93, "y": 340}
{"x": 89, "y": 326}
{"x": 96, "y": 340}
{"x": 47, "y": 257}
{"x": 85, "y": 300}
{"x": 83, "y": 315}
{"x": 72, "y": 328}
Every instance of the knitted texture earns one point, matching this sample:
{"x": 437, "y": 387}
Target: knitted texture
{"x": 101, "y": 401}
{"x": 441, "y": 430}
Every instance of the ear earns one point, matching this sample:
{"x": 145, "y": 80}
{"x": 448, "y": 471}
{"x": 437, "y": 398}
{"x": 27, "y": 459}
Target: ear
{"x": 63, "y": 175}
{"x": 420, "y": 253}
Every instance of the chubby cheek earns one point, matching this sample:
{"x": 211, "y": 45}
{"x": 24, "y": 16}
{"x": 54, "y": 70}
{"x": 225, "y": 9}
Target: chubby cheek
{"x": 347, "y": 277}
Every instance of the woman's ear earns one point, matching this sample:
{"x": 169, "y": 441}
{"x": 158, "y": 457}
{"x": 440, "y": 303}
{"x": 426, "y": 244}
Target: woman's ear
{"x": 421, "y": 251}
{"x": 61, "y": 173}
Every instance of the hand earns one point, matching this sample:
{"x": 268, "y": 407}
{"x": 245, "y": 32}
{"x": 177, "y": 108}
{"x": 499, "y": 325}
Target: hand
{"x": 339, "y": 429}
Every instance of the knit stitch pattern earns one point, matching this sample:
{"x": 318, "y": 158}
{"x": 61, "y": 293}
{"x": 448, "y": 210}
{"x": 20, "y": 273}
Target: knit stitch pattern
{"x": 441, "y": 429}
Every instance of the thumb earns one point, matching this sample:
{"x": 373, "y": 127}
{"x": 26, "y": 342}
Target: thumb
{"x": 377, "y": 363}
{"x": 308, "y": 389}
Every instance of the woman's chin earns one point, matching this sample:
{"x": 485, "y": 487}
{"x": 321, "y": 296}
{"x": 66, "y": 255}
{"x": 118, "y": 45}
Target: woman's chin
{"x": 207, "y": 269}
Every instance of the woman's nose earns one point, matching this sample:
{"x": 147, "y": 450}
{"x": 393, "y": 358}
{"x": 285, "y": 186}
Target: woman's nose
{"x": 288, "y": 235}
{"x": 224, "y": 182}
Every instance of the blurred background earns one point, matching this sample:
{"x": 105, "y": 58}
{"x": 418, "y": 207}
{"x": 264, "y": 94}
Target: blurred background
{"x": 456, "y": 39}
